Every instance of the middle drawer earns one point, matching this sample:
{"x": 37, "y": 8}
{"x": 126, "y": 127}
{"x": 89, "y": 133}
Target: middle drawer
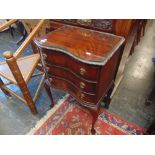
{"x": 81, "y": 83}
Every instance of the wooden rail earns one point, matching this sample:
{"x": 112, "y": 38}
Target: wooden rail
{"x": 28, "y": 39}
{"x": 7, "y": 24}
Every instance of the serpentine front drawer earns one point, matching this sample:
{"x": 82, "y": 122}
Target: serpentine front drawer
{"x": 89, "y": 72}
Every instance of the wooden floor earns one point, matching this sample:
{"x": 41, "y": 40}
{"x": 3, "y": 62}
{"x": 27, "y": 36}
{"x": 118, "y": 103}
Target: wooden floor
{"x": 128, "y": 101}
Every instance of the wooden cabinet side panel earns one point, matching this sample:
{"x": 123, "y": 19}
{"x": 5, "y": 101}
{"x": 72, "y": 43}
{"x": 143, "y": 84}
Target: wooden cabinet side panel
{"x": 107, "y": 75}
{"x": 123, "y": 27}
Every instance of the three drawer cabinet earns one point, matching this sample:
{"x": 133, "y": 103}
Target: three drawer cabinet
{"x": 81, "y": 62}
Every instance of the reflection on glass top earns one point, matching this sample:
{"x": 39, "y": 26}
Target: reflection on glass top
{"x": 82, "y": 43}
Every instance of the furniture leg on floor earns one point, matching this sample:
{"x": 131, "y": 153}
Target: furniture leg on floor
{"x": 94, "y": 113}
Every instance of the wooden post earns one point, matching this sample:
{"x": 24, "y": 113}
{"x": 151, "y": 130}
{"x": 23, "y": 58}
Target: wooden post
{"x": 11, "y": 61}
{"x": 5, "y": 25}
{"x": 29, "y": 39}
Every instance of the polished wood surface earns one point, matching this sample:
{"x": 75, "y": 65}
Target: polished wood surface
{"x": 82, "y": 43}
{"x": 80, "y": 83}
{"x": 120, "y": 27}
{"x": 128, "y": 28}
{"x": 106, "y": 25}
{"x": 86, "y": 71}
{"x": 86, "y": 99}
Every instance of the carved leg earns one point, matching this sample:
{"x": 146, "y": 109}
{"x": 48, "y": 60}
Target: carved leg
{"x": 47, "y": 88}
{"x": 94, "y": 113}
{"x": 4, "y": 91}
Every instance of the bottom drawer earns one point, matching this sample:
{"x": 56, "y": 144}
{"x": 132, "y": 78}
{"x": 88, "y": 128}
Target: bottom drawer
{"x": 83, "y": 98}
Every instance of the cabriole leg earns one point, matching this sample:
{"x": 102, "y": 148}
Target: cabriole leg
{"x": 94, "y": 113}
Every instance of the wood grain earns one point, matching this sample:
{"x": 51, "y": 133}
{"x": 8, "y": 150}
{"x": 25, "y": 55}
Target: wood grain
{"x": 7, "y": 24}
{"x": 82, "y": 43}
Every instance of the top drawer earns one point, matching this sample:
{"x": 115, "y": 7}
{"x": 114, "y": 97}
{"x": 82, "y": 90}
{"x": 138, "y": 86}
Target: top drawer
{"x": 85, "y": 71}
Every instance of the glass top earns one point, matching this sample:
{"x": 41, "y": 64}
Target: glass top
{"x": 84, "y": 44}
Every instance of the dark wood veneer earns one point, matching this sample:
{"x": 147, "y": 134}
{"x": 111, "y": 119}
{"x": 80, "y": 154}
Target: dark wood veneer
{"x": 63, "y": 60}
{"x": 84, "y": 44}
{"x": 79, "y": 82}
{"x": 66, "y": 85}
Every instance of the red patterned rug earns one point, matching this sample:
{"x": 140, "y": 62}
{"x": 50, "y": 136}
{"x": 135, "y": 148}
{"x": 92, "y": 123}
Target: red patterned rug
{"x": 69, "y": 118}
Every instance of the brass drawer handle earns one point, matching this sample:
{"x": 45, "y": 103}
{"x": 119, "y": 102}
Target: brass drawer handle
{"x": 82, "y": 71}
{"x": 82, "y": 85}
{"x": 82, "y": 96}
{"x": 44, "y": 56}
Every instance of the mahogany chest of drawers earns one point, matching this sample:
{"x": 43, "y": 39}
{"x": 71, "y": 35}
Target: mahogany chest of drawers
{"x": 81, "y": 62}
